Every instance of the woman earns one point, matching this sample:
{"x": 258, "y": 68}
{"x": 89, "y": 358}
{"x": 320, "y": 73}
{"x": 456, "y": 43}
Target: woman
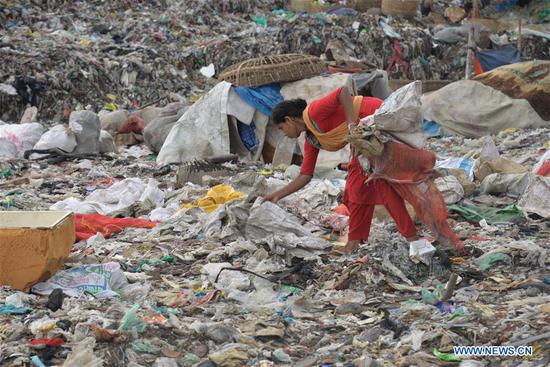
{"x": 325, "y": 122}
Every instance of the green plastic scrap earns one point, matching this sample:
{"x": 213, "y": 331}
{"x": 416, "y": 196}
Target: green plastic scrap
{"x": 432, "y": 298}
{"x": 145, "y": 348}
{"x": 191, "y": 358}
{"x": 7, "y": 173}
{"x": 486, "y": 261}
{"x": 168, "y": 258}
{"x": 14, "y": 310}
{"x": 260, "y": 20}
{"x": 130, "y": 321}
{"x": 291, "y": 289}
{"x": 448, "y": 357}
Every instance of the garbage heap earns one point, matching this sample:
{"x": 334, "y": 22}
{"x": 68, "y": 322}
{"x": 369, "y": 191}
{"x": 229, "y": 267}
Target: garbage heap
{"x": 206, "y": 273}
{"x": 63, "y": 55}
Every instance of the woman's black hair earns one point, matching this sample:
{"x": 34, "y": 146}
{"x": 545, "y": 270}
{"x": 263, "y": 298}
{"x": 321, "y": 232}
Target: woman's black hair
{"x": 290, "y": 108}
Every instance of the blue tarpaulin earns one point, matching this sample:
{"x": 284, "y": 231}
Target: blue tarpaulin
{"x": 491, "y": 59}
{"x": 263, "y": 98}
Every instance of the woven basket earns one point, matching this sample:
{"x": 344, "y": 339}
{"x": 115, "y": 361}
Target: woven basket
{"x": 364, "y": 5}
{"x": 427, "y": 85}
{"x": 273, "y": 69}
{"x": 405, "y": 8}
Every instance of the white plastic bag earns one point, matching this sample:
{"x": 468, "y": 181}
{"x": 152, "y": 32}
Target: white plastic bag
{"x": 101, "y": 279}
{"x": 536, "y": 198}
{"x": 106, "y": 143}
{"x": 23, "y": 136}
{"x": 465, "y": 164}
{"x": 8, "y": 150}
{"x": 58, "y": 137}
{"x": 87, "y": 128}
{"x": 400, "y": 115}
{"x": 450, "y": 188}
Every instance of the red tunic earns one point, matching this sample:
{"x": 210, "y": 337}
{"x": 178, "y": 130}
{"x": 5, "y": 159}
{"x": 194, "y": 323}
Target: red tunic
{"x": 328, "y": 113}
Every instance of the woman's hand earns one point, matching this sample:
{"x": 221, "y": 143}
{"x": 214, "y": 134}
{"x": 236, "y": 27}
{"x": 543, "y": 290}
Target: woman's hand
{"x": 274, "y": 198}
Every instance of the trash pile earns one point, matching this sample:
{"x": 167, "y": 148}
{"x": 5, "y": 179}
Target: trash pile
{"x": 61, "y": 56}
{"x": 119, "y": 137}
{"x": 210, "y": 275}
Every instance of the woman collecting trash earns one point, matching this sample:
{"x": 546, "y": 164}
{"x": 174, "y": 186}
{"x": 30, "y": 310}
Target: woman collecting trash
{"x": 325, "y": 122}
{"x": 400, "y": 171}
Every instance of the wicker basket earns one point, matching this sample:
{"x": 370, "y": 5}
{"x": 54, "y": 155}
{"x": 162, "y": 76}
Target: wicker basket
{"x": 427, "y": 85}
{"x": 273, "y": 69}
{"x": 364, "y": 5}
{"x": 405, "y": 8}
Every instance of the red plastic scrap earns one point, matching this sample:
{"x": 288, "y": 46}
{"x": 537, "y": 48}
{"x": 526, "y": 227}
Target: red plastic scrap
{"x": 54, "y": 342}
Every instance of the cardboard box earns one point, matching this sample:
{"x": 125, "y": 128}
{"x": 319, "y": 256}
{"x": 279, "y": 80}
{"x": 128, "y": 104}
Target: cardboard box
{"x": 33, "y": 246}
{"x": 308, "y": 6}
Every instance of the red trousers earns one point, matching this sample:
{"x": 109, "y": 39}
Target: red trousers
{"x": 361, "y": 198}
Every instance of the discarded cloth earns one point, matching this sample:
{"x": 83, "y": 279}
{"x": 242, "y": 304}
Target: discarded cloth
{"x": 87, "y": 225}
{"x": 472, "y": 213}
{"x": 410, "y": 172}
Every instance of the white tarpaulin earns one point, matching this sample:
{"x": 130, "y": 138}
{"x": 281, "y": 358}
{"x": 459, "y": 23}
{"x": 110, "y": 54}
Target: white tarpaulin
{"x": 202, "y": 131}
{"x": 472, "y": 109}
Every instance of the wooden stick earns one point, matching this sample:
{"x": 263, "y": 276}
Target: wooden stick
{"x": 519, "y": 35}
{"x": 475, "y": 10}
{"x": 448, "y": 291}
{"x": 470, "y": 54}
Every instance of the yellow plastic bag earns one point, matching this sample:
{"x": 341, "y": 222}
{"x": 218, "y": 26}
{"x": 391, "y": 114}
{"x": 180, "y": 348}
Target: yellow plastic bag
{"x": 215, "y": 197}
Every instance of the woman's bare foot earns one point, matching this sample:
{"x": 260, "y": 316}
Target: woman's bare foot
{"x": 349, "y": 248}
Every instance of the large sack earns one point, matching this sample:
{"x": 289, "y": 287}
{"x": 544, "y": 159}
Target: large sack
{"x": 58, "y": 137}
{"x": 113, "y": 121}
{"x": 201, "y": 131}
{"x": 472, "y": 109}
{"x": 87, "y": 128}
{"x": 156, "y": 131}
{"x": 106, "y": 143}
{"x": 497, "y": 165}
{"x": 536, "y": 198}
{"x": 511, "y": 184}
{"x": 526, "y": 80}
{"x": 22, "y": 136}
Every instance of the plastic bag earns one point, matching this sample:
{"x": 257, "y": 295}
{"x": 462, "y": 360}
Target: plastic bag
{"x": 60, "y": 137}
{"x": 400, "y": 115}
{"x": 153, "y": 194}
{"x": 511, "y": 184}
{"x": 156, "y": 132}
{"x": 102, "y": 280}
{"x": 86, "y": 127}
{"x": 215, "y": 197}
{"x": 542, "y": 168}
{"x": 536, "y": 198}
{"x": 465, "y": 164}
{"x": 23, "y": 136}
{"x": 488, "y": 260}
{"x": 106, "y": 142}
{"x": 228, "y": 279}
{"x": 400, "y": 112}
{"x": 450, "y": 188}
{"x": 131, "y": 322}
{"x": 8, "y": 150}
